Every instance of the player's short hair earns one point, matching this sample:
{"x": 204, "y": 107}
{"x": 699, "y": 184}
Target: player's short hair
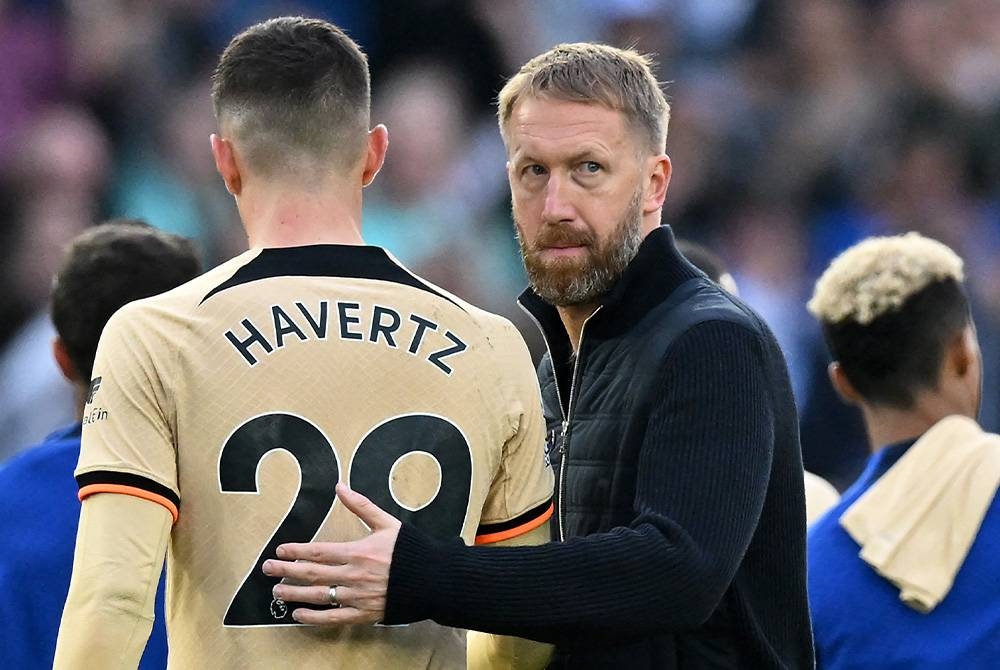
{"x": 296, "y": 95}
{"x": 888, "y": 308}
{"x": 619, "y": 79}
{"x": 106, "y": 267}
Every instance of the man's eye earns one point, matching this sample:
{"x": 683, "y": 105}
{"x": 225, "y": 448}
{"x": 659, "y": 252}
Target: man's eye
{"x": 591, "y": 167}
{"x": 535, "y": 170}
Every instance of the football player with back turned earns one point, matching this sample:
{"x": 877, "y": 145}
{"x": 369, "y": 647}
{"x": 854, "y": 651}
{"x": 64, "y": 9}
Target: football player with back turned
{"x": 237, "y": 402}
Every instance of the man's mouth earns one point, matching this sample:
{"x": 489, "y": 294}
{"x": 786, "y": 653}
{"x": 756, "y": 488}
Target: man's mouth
{"x": 563, "y": 244}
{"x": 563, "y": 249}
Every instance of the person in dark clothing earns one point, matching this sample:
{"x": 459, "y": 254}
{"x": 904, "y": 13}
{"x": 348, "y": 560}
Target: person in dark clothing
{"x": 679, "y": 528}
{"x": 820, "y": 494}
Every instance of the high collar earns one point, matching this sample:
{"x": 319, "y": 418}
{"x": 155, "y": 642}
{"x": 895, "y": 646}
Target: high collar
{"x": 657, "y": 270}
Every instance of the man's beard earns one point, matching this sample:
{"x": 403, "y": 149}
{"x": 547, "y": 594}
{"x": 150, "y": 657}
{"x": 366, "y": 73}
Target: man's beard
{"x": 566, "y": 282}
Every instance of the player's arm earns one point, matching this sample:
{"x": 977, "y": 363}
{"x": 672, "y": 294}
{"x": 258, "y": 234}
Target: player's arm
{"x": 702, "y": 478}
{"x": 502, "y": 652}
{"x": 108, "y": 615}
{"x": 127, "y": 475}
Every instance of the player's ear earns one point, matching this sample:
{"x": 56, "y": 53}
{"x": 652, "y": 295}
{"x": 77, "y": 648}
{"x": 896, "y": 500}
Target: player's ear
{"x": 961, "y": 353}
{"x": 842, "y": 385}
{"x": 225, "y": 163}
{"x": 378, "y": 144}
{"x": 657, "y": 181}
{"x": 65, "y": 363}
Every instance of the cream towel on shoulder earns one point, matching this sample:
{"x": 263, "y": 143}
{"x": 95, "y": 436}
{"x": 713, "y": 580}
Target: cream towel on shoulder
{"x": 917, "y": 523}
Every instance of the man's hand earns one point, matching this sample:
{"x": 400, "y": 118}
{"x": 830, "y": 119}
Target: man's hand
{"x": 359, "y": 570}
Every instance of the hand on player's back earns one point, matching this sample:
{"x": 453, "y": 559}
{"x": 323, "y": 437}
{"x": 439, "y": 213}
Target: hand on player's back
{"x": 359, "y": 570}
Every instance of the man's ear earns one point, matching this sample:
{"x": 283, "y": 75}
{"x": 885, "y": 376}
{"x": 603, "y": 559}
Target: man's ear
{"x": 961, "y": 352}
{"x": 378, "y": 144}
{"x": 65, "y": 363}
{"x": 657, "y": 182}
{"x": 225, "y": 163}
{"x": 842, "y": 385}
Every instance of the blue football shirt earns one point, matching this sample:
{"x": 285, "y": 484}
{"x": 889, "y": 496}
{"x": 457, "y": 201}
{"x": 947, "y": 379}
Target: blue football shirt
{"x": 859, "y": 621}
{"x": 39, "y": 514}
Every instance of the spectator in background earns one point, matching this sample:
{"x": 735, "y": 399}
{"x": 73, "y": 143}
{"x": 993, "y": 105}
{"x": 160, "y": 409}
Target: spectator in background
{"x": 412, "y": 214}
{"x": 425, "y": 211}
{"x": 924, "y": 513}
{"x": 170, "y": 181}
{"x": 821, "y": 103}
{"x": 104, "y": 268}
{"x": 820, "y": 495}
{"x": 57, "y": 174}
{"x": 33, "y": 72}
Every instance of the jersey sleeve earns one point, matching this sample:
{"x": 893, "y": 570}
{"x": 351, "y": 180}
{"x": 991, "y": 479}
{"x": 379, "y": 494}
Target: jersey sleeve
{"x": 128, "y": 444}
{"x": 520, "y": 498}
{"x": 108, "y": 613}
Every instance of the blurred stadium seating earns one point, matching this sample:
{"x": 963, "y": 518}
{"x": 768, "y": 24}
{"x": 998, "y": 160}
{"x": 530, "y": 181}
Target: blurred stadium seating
{"x": 798, "y": 127}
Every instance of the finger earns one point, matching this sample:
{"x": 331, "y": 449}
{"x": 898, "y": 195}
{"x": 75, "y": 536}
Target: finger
{"x": 304, "y": 572}
{"x": 330, "y": 553}
{"x": 293, "y": 582}
{"x": 371, "y": 514}
{"x": 314, "y": 595}
{"x": 320, "y": 595}
{"x": 334, "y": 617}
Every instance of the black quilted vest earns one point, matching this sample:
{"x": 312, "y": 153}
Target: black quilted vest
{"x": 597, "y": 409}
{"x": 597, "y": 406}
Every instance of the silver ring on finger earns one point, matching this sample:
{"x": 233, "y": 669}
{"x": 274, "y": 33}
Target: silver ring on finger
{"x": 333, "y": 596}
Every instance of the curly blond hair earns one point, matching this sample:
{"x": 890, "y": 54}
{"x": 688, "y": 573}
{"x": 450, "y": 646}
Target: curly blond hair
{"x": 879, "y": 275}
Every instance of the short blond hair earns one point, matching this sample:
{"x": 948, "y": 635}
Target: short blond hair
{"x": 879, "y": 275}
{"x": 620, "y": 79}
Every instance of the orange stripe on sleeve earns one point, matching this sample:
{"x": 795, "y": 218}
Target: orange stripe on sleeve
{"x": 517, "y": 530}
{"x": 91, "y": 489}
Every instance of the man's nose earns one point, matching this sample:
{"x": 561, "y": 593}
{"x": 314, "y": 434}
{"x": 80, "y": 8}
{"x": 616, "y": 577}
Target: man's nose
{"x": 558, "y": 202}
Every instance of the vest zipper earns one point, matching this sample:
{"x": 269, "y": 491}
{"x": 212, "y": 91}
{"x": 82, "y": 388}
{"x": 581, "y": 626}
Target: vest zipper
{"x": 567, "y": 413}
{"x": 564, "y": 443}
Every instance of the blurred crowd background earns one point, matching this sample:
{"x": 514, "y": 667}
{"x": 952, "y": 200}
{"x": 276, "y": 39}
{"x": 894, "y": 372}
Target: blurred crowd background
{"x": 799, "y": 126}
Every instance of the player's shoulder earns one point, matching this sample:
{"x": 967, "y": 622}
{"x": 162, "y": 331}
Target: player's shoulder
{"x": 181, "y": 302}
{"x": 711, "y": 303}
{"x": 39, "y": 467}
{"x": 708, "y": 308}
{"x": 493, "y": 325}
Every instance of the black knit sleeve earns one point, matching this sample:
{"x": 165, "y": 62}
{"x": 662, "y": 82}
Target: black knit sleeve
{"x": 703, "y": 474}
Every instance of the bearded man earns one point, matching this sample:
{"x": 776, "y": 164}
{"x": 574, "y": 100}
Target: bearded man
{"x": 679, "y": 530}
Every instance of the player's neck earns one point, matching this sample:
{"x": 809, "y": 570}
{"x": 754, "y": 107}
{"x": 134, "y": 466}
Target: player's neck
{"x": 292, "y": 217}
{"x": 888, "y": 425}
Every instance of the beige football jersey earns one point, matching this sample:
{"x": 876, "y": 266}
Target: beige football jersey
{"x": 240, "y": 399}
